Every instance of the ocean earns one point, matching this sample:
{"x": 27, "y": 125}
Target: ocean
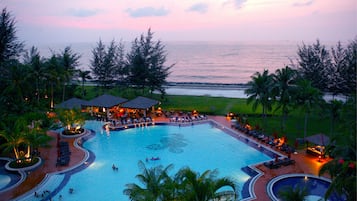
{"x": 206, "y": 62}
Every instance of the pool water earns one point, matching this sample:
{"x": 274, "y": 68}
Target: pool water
{"x": 4, "y": 181}
{"x": 200, "y": 147}
{"x": 316, "y": 186}
{"x": 8, "y": 179}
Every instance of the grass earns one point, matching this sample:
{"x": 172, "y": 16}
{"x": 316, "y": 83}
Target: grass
{"x": 317, "y": 123}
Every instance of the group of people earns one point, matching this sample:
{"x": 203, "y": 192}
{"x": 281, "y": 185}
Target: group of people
{"x": 43, "y": 194}
{"x": 47, "y": 192}
{"x": 152, "y": 159}
{"x": 115, "y": 168}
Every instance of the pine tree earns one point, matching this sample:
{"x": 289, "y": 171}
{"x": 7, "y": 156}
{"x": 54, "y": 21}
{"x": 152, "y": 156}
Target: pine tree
{"x": 146, "y": 63}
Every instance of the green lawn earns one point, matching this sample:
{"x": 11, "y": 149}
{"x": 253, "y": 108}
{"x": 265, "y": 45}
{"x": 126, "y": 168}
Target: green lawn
{"x": 317, "y": 123}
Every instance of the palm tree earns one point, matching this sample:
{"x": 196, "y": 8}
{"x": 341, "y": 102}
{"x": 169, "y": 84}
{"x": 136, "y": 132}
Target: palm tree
{"x": 307, "y": 97}
{"x": 53, "y": 76}
{"x": 68, "y": 61}
{"x": 296, "y": 193}
{"x": 71, "y": 119}
{"x": 84, "y": 75}
{"x": 342, "y": 168}
{"x": 153, "y": 180}
{"x": 260, "y": 92}
{"x": 16, "y": 87}
{"x": 204, "y": 187}
{"x": 13, "y": 132}
{"x": 334, "y": 107}
{"x": 284, "y": 89}
{"x": 36, "y": 137}
{"x": 37, "y": 71}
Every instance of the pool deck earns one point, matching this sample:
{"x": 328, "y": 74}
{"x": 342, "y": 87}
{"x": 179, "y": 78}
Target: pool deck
{"x": 304, "y": 164}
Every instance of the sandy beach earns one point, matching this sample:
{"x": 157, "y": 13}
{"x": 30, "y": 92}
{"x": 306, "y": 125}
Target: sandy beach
{"x": 219, "y": 90}
{"x": 207, "y": 89}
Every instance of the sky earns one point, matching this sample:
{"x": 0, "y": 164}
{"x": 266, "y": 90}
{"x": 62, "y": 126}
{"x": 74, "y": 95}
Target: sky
{"x": 53, "y": 21}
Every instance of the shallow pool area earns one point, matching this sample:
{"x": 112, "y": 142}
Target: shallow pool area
{"x": 316, "y": 186}
{"x": 9, "y": 179}
{"x": 200, "y": 147}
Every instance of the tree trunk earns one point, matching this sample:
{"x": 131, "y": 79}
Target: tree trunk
{"x": 52, "y": 101}
{"x": 64, "y": 91}
{"x": 305, "y": 125}
{"x": 16, "y": 153}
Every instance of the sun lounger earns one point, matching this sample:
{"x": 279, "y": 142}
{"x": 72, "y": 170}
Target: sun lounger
{"x": 279, "y": 163}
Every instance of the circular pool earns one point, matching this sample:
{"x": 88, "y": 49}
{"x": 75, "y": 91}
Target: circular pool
{"x": 316, "y": 186}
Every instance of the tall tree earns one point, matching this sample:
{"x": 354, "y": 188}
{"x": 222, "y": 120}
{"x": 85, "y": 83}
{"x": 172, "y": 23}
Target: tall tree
{"x": 106, "y": 64}
{"x": 33, "y": 59}
{"x": 10, "y": 47}
{"x": 69, "y": 61}
{"x": 336, "y": 84}
{"x": 15, "y": 94}
{"x": 259, "y": 92}
{"x": 284, "y": 89}
{"x": 349, "y": 73}
{"x": 307, "y": 97}
{"x": 313, "y": 64}
{"x": 146, "y": 63}
{"x": 53, "y": 76}
{"x": 84, "y": 75}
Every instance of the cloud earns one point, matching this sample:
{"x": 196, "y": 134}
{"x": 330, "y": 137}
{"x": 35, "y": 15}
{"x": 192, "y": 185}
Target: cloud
{"x": 82, "y": 12}
{"x": 199, "y": 7}
{"x": 301, "y": 4}
{"x": 239, "y": 3}
{"x": 147, "y": 12}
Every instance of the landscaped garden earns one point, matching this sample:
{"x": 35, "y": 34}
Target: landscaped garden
{"x": 286, "y": 103}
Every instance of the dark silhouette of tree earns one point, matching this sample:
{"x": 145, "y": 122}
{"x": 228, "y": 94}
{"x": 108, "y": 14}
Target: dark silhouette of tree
{"x": 10, "y": 47}
{"x": 153, "y": 181}
{"x": 349, "y": 72}
{"x": 83, "y": 76}
{"x": 307, "y": 97}
{"x": 16, "y": 92}
{"x": 284, "y": 89}
{"x": 201, "y": 187}
{"x": 33, "y": 59}
{"x": 53, "y": 77}
{"x": 313, "y": 64}
{"x": 259, "y": 92}
{"x": 186, "y": 185}
{"x": 107, "y": 64}
{"x": 146, "y": 63}
{"x": 68, "y": 61}
{"x": 342, "y": 168}
{"x": 10, "y": 50}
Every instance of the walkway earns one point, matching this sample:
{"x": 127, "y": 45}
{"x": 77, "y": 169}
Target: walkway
{"x": 304, "y": 164}
{"x": 49, "y": 157}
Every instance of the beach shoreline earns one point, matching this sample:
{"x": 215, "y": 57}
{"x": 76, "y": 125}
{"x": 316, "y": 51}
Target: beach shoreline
{"x": 205, "y": 85}
{"x": 206, "y": 89}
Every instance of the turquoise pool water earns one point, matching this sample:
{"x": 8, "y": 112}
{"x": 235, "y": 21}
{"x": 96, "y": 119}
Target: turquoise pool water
{"x": 200, "y": 147}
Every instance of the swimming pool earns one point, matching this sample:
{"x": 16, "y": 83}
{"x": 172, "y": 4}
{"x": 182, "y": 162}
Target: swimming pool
{"x": 317, "y": 186}
{"x": 199, "y": 147}
{"x": 9, "y": 179}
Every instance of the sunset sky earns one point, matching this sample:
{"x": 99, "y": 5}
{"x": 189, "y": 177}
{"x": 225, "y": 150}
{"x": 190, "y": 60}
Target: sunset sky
{"x": 44, "y": 21}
